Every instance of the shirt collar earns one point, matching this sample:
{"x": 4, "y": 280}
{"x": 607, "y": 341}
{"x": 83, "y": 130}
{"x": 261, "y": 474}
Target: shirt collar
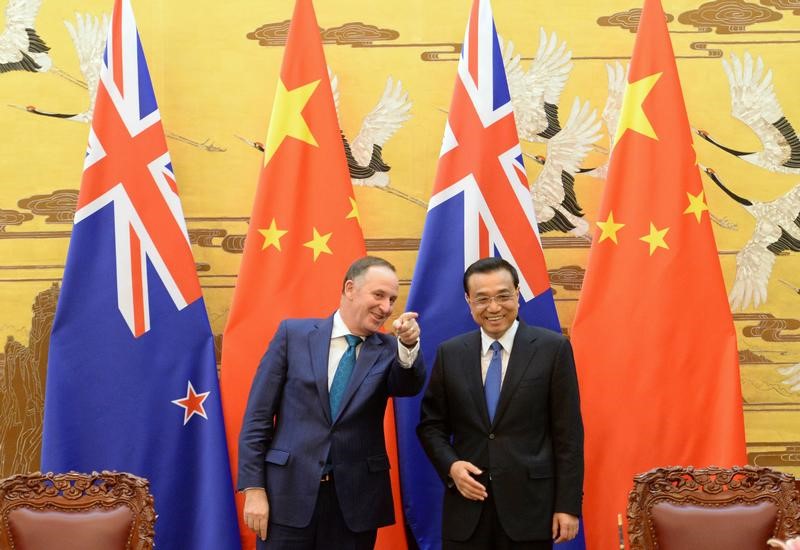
{"x": 506, "y": 340}
{"x": 339, "y": 328}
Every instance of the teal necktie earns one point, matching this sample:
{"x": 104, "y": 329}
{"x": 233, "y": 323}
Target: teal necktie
{"x": 343, "y": 372}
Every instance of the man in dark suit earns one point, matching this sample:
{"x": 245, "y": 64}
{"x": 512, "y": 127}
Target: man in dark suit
{"x": 501, "y": 423}
{"x": 312, "y": 456}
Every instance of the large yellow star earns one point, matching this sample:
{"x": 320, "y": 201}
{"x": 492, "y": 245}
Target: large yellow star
{"x": 697, "y": 205}
{"x": 632, "y": 115}
{"x": 319, "y": 244}
{"x": 655, "y": 238}
{"x": 353, "y": 211}
{"x": 609, "y": 228}
{"x": 272, "y": 236}
{"x": 287, "y": 117}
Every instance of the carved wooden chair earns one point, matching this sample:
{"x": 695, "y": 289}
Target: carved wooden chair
{"x": 97, "y": 511}
{"x": 686, "y": 508}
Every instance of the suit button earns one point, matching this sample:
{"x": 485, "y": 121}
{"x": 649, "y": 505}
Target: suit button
{"x": 491, "y": 436}
{"x": 322, "y": 463}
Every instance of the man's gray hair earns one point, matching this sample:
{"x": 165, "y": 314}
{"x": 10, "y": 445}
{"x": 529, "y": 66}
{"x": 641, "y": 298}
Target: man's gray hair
{"x": 361, "y": 265}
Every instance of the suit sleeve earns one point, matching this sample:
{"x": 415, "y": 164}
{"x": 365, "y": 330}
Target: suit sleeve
{"x": 263, "y": 403}
{"x": 405, "y": 381}
{"x": 567, "y": 432}
{"x": 434, "y": 428}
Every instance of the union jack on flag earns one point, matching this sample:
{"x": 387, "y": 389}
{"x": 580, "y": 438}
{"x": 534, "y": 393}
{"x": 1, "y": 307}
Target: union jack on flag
{"x": 481, "y": 159}
{"x": 127, "y": 163}
{"x": 131, "y": 377}
{"x": 481, "y": 206}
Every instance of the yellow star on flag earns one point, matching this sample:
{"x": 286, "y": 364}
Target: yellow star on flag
{"x": 655, "y": 238}
{"x": 272, "y": 236}
{"x": 632, "y": 115}
{"x": 353, "y": 211}
{"x": 287, "y": 117}
{"x": 319, "y": 244}
{"x": 697, "y": 205}
{"x": 609, "y": 228}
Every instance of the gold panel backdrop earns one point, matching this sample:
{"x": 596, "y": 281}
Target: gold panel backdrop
{"x": 214, "y": 67}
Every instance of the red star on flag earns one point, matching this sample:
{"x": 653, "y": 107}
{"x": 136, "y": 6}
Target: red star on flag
{"x": 192, "y": 404}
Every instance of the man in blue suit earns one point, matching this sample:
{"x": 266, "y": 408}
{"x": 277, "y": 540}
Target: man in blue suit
{"x": 312, "y": 455}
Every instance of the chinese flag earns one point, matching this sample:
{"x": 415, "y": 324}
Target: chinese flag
{"x": 304, "y": 228}
{"x": 653, "y": 335}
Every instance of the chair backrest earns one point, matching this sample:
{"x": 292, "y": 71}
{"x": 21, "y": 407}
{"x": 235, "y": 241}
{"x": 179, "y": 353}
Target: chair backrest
{"x": 686, "y": 508}
{"x": 97, "y": 511}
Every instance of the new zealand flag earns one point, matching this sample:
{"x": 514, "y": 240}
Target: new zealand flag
{"x": 481, "y": 206}
{"x": 131, "y": 380}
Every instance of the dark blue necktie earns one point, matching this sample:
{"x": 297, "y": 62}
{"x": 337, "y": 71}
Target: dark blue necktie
{"x": 491, "y": 387}
{"x": 343, "y": 372}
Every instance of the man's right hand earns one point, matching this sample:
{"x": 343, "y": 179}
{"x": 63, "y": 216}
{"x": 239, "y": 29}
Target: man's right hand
{"x": 256, "y": 511}
{"x": 469, "y": 488}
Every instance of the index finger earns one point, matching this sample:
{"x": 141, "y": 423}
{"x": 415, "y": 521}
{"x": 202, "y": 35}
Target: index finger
{"x": 407, "y": 316}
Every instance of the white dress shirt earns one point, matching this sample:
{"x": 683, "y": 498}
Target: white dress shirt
{"x": 506, "y": 342}
{"x": 339, "y": 346}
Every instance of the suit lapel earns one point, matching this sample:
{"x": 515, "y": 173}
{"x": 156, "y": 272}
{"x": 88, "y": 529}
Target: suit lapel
{"x": 473, "y": 377}
{"x": 522, "y": 354}
{"x": 319, "y": 342}
{"x": 370, "y": 351}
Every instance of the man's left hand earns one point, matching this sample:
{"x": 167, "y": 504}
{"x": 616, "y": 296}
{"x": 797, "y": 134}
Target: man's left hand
{"x": 406, "y": 328}
{"x": 565, "y": 527}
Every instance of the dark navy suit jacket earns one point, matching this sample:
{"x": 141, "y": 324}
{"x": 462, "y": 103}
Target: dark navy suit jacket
{"x": 531, "y": 454}
{"x": 288, "y": 433}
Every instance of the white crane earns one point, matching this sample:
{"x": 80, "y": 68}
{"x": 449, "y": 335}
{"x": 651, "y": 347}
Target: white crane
{"x": 553, "y": 193}
{"x": 777, "y": 232}
{"x": 753, "y": 101}
{"x": 89, "y": 37}
{"x": 365, "y": 154}
{"x": 617, "y": 77}
{"x": 366, "y": 163}
{"x": 21, "y": 47}
{"x": 89, "y": 34}
{"x": 535, "y": 93}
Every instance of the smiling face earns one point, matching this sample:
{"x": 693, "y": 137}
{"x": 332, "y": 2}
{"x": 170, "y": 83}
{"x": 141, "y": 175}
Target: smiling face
{"x": 368, "y": 300}
{"x": 493, "y": 301}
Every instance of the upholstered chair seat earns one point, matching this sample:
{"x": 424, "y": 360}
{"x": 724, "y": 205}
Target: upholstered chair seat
{"x": 98, "y": 511}
{"x": 711, "y": 509}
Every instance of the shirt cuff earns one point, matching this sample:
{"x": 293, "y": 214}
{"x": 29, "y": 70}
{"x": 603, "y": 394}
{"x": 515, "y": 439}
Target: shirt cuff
{"x": 407, "y": 356}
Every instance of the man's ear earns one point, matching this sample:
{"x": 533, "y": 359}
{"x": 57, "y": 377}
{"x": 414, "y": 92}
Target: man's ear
{"x": 466, "y": 297}
{"x": 348, "y": 288}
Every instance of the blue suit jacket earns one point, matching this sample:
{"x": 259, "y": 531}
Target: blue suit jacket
{"x": 288, "y": 432}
